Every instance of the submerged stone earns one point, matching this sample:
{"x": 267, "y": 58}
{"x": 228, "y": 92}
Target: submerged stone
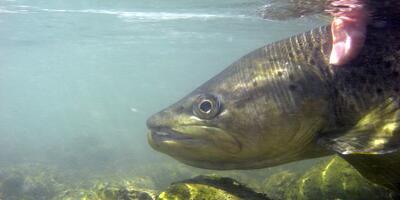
{"x": 277, "y": 185}
{"x": 333, "y": 179}
{"x": 210, "y": 188}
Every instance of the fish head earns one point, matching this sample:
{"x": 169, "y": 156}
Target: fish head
{"x": 220, "y": 126}
{"x": 193, "y": 132}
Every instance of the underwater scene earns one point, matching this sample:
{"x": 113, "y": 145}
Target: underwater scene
{"x": 199, "y": 99}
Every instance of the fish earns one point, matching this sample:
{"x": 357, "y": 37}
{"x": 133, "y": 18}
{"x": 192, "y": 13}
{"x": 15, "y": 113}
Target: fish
{"x": 284, "y": 102}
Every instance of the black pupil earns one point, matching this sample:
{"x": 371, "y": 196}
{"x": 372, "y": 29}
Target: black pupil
{"x": 205, "y": 106}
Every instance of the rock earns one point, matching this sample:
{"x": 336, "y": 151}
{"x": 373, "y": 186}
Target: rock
{"x": 333, "y": 179}
{"x": 278, "y": 184}
{"x": 210, "y": 188}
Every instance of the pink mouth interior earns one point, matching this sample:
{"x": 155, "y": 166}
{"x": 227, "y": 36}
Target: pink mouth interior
{"x": 348, "y": 30}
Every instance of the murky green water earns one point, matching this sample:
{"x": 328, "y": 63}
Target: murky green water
{"x": 79, "y": 78}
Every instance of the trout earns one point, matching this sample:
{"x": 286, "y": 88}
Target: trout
{"x": 285, "y": 102}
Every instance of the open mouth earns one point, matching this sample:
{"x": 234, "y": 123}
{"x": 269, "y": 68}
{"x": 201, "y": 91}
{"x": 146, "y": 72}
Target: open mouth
{"x": 164, "y": 134}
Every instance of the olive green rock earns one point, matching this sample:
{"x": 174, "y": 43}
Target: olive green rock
{"x": 210, "y": 188}
{"x": 277, "y": 185}
{"x": 332, "y": 179}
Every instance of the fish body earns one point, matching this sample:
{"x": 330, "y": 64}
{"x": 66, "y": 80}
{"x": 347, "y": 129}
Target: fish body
{"x": 284, "y": 102}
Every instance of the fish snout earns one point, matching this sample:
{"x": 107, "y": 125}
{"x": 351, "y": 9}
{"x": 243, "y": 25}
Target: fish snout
{"x": 160, "y": 120}
{"x": 153, "y": 122}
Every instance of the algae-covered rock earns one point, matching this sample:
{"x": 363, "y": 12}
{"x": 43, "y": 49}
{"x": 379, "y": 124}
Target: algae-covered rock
{"x": 127, "y": 191}
{"x": 334, "y": 179}
{"x": 210, "y": 188}
{"x": 110, "y": 191}
{"x": 278, "y": 184}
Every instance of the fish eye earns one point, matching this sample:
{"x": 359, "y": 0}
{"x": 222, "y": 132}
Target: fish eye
{"x": 206, "y": 106}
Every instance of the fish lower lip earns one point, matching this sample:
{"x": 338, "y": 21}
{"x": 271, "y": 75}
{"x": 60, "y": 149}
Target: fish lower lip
{"x": 161, "y": 133}
{"x": 168, "y": 135}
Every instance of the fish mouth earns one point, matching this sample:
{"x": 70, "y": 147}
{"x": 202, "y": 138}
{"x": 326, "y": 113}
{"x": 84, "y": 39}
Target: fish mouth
{"x": 167, "y": 134}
